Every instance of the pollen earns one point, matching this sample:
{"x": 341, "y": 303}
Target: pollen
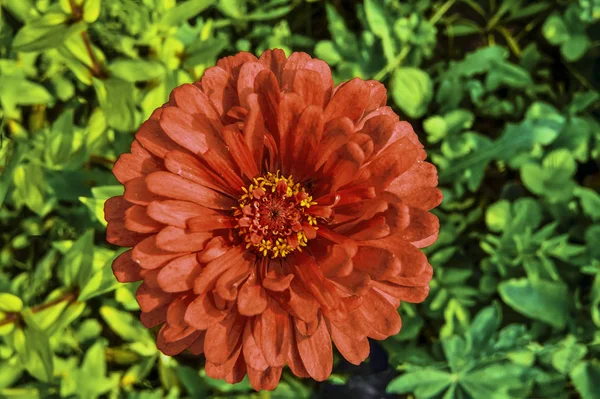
{"x": 272, "y": 216}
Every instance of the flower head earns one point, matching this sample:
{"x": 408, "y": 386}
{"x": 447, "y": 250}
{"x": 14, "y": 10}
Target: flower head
{"x": 272, "y": 214}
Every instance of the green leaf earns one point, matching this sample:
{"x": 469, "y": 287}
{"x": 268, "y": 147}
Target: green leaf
{"x": 30, "y": 186}
{"x": 91, "y": 10}
{"x": 585, "y": 377}
{"x": 540, "y": 300}
{"x": 555, "y": 30}
{"x": 185, "y": 11}
{"x": 33, "y": 348}
{"x": 10, "y": 302}
{"x": 484, "y": 326}
{"x": 42, "y": 33}
{"x": 569, "y": 355}
{"x": 497, "y": 216}
{"x": 590, "y": 202}
{"x": 77, "y": 264}
{"x": 117, "y": 101}
{"x": 121, "y": 322}
{"x": 412, "y": 91}
{"x": 136, "y": 70}
{"x": 423, "y": 383}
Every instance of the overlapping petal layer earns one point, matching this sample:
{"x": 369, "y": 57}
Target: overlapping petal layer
{"x": 211, "y": 291}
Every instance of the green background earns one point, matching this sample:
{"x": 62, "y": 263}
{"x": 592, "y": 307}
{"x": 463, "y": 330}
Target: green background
{"x": 502, "y": 93}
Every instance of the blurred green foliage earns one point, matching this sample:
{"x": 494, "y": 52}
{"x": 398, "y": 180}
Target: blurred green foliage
{"x": 502, "y": 93}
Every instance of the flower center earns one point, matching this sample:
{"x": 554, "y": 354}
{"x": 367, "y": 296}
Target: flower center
{"x": 272, "y": 216}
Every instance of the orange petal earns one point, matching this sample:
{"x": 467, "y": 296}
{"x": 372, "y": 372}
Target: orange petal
{"x": 252, "y": 298}
{"x": 252, "y": 353}
{"x": 150, "y": 299}
{"x": 176, "y": 347}
{"x": 223, "y": 338}
{"x": 174, "y": 213}
{"x": 316, "y": 352}
{"x": 176, "y": 187}
{"x": 355, "y": 351}
{"x": 137, "y": 219}
{"x": 155, "y": 317}
{"x": 179, "y": 274}
{"x": 174, "y": 239}
{"x": 118, "y": 234}
{"x": 202, "y": 313}
{"x": 149, "y": 256}
{"x": 264, "y": 379}
{"x": 274, "y": 334}
{"x": 380, "y": 314}
{"x": 189, "y": 167}
{"x": 350, "y": 100}
{"x": 152, "y": 137}
{"x": 131, "y": 166}
{"x": 125, "y": 269}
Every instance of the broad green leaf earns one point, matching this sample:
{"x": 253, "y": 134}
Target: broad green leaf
{"x": 555, "y": 30}
{"x": 545, "y": 301}
{"x": 136, "y": 70}
{"x": 590, "y": 202}
{"x": 412, "y": 90}
{"x": 10, "y": 302}
{"x": 423, "y": 383}
{"x": 185, "y": 11}
{"x": 42, "y": 33}
{"x": 117, "y": 101}
{"x": 76, "y": 265}
{"x": 121, "y": 322}
{"x": 569, "y": 355}
{"x": 585, "y": 377}
{"x": 33, "y": 348}
{"x": 91, "y": 10}
{"x": 497, "y": 216}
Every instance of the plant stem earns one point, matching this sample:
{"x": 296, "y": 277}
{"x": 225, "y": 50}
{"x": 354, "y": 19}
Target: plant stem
{"x": 13, "y": 317}
{"x": 441, "y": 11}
{"x": 96, "y": 68}
{"x": 393, "y": 65}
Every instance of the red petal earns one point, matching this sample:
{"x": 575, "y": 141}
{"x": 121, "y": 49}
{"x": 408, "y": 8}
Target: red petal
{"x": 423, "y": 228}
{"x": 176, "y": 187}
{"x": 290, "y": 108}
{"x": 254, "y": 129}
{"x": 115, "y": 207}
{"x": 355, "y": 283}
{"x": 211, "y": 222}
{"x": 155, "y": 317}
{"x": 403, "y": 293}
{"x": 227, "y": 285}
{"x": 193, "y": 132}
{"x": 274, "y": 334}
{"x": 355, "y": 351}
{"x": 197, "y": 347}
{"x": 239, "y": 151}
{"x": 223, "y": 338}
{"x": 269, "y": 96}
{"x": 349, "y": 100}
{"x": 252, "y": 353}
{"x": 245, "y": 82}
{"x": 174, "y": 239}
{"x": 220, "y": 88}
{"x": 266, "y": 379}
{"x": 179, "y": 274}
{"x": 232, "y": 371}
{"x": 150, "y": 299}
{"x": 149, "y": 256}
{"x": 274, "y": 60}
{"x": 309, "y": 86}
{"x": 296, "y": 61}
{"x": 392, "y": 162}
{"x": 252, "y": 298}
{"x": 136, "y": 192}
{"x": 324, "y": 71}
{"x": 137, "y": 219}
{"x": 189, "y": 167}
{"x": 234, "y": 256}
{"x": 151, "y": 136}
{"x": 380, "y": 314}
{"x": 277, "y": 283}
{"x": 174, "y": 348}
{"x": 202, "y": 313}
{"x": 316, "y": 352}
{"x": 293, "y": 359}
{"x": 118, "y": 234}
{"x": 174, "y": 213}
{"x": 125, "y": 269}
{"x": 131, "y": 166}
{"x": 192, "y": 100}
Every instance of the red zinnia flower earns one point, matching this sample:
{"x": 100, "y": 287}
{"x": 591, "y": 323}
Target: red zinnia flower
{"x": 271, "y": 213}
